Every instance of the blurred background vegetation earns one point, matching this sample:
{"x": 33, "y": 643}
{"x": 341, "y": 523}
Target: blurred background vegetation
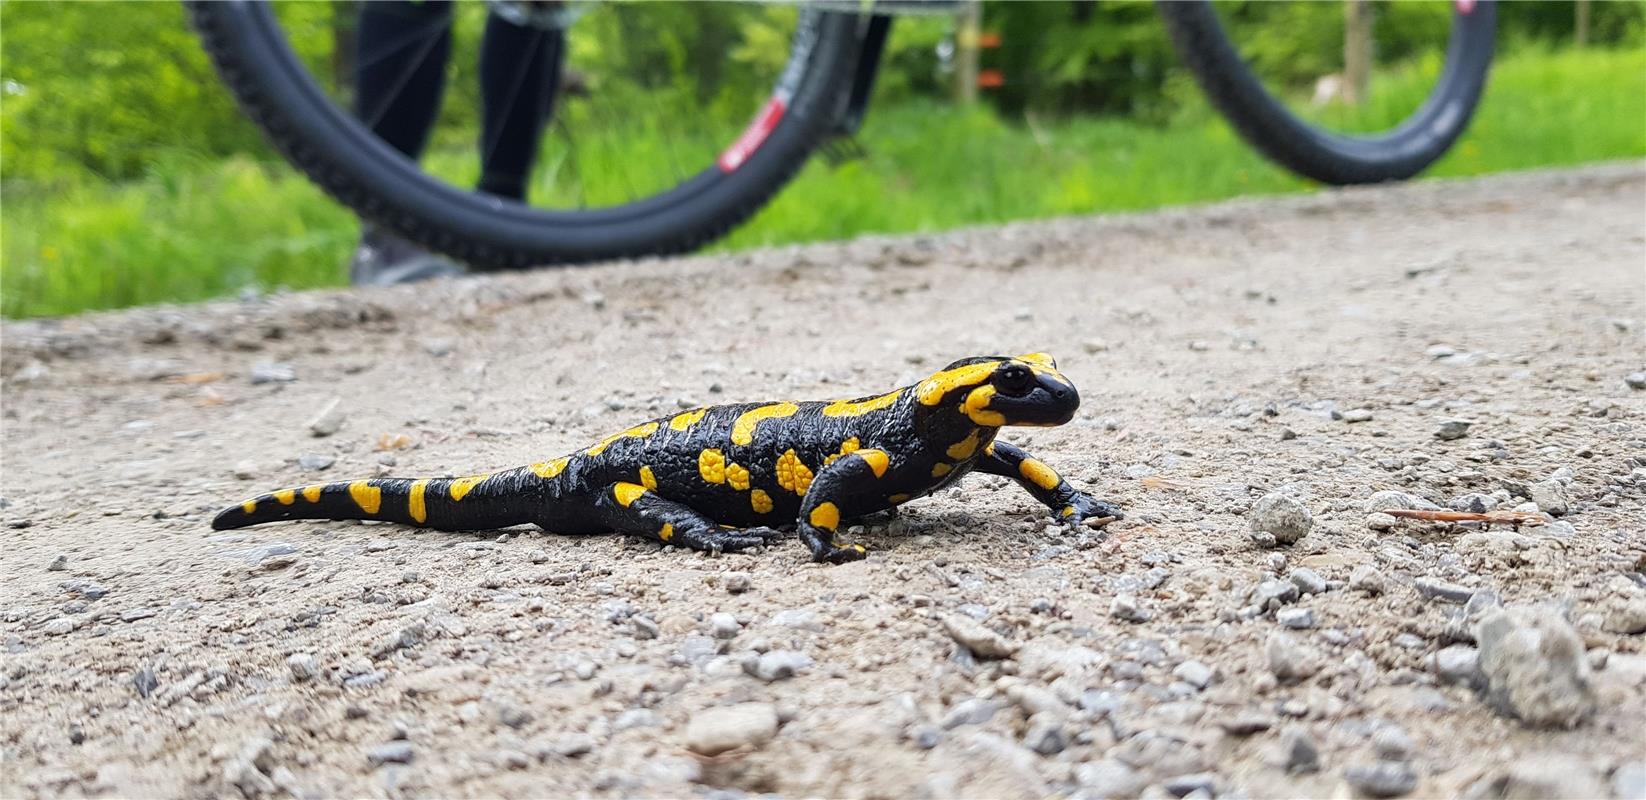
{"x": 128, "y": 176}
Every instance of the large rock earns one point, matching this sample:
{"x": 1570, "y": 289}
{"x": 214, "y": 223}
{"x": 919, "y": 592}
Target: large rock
{"x": 1535, "y": 667}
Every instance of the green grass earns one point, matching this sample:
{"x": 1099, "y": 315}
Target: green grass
{"x": 194, "y": 230}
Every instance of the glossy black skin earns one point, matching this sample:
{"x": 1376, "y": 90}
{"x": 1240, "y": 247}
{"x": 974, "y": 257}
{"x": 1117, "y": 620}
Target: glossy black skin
{"x": 601, "y": 492}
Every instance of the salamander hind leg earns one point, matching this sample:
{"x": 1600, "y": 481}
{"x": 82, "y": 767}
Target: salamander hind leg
{"x": 635, "y": 510}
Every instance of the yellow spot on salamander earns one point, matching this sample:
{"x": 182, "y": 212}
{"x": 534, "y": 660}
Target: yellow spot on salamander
{"x": 647, "y": 479}
{"x": 367, "y": 496}
{"x": 857, "y": 408}
{"x": 825, "y": 516}
{"x": 636, "y": 432}
{"x": 792, "y": 474}
{"x": 414, "y": 504}
{"x": 249, "y": 506}
{"x": 846, "y": 448}
{"x": 940, "y": 469}
{"x": 963, "y": 449}
{"x": 667, "y": 532}
{"x": 687, "y": 419}
{"x": 1036, "y": 472}
{"x": 931, "y": 391}
{"x": 976, "y": 407}
{"x": 1039, "y": 359}
{"x": 312, "y": 493}
{"x": 743, "y": 427}
{"x": 989, "y": 449}
{"x": 737, "y": 476}
{"x": 549, "y": 469}
{"x": 1068, "y": 511}
{"x": 627, "y": 493}
{"x": 461, "y": 487}
{"x": 898, "y": 498}
{"x": 711, "y": 464}
{"x": 286, "y": 496}
{"x": 876, "y": 459}
{"x": 760, "y": 502}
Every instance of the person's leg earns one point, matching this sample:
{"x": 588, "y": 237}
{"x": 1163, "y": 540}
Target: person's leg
{"x": 519, "y": 74}
{"x": 400, "y": 70}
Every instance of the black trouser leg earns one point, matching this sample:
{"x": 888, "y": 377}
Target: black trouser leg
{"x": 519, "y": 73}
{"x": 400, "y": 70}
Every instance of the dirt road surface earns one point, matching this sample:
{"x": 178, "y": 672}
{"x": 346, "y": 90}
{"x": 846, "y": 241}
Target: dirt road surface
{"x": 1306, "y": 347}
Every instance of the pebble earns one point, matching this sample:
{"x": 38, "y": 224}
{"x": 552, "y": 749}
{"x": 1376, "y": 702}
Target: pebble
{"x": 736, "y": 582}
{"x": 1366, "y": 578}
{"x": 1357, "y": 415}
{"x": 396, "y": 752}
{"x": 1299, "y": 754}
{"x": 439, "y": 347}
{"x": 1382, "y": 779}
{"x": 1108, "y": 777}
{"x": 1045, "y": 735}
{"x": 1296, "y": 618}
{"x": 245, "y": 469}
{"x": 1393, "y": 743}
{"x": 1287, "y": 660}
{"x": 981, "y": 641}
{"x": 723, "y": 626}
{"x": 1535, "y": 667}
{"x": 644, "y": 627}
{"x": 315, "y": 462}
{"x": 273, "y": 372}
{"x": 144, "y": 681}
{"x": 1551, "y": 497}
{"x": 1247, "y": 723}
{"x": 716, "y": 730}
{"x": 1124, "y": 607}
{"x": 1635, "y": 380}
{"x": 1307, "y": 581}
{"x": 1184, "y": 785}
{"x": 1626, "y": 616}
{"x": 776, "y": 665}
{"x": 58, "y": 564}
{"x": 1452, "y": 429}
{"x": 1431, "y": 589}
{"x": 1458, "y": 663}
{"x": 1272, "y": 594}
{"x": 971, "y": 711}
{"x": 135, "y": 614}
{"x": 799, "y": 619}
{"x": 303, "y": 666}
{"x": 571, "y": 746}
{"x": 636, "y": 718}
{"x": 1380, "y": 501}
{"x": 1474, "y": 502}
{"x": 1629, "y": 781}
{"x": 926, "y": 737}
{"x": 329, "y": 420}
{"x": 1194, "y": 673}
{"x": 60, "y": 626}
{"x": 1282, "y": 517}
{"x": 1379, "y": 521}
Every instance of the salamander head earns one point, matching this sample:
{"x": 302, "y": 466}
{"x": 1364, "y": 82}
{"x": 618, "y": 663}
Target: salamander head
{"x": 1000, "y": 390}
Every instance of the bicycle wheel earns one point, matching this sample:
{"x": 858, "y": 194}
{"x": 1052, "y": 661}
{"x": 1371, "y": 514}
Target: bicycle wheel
{"x": 1411, "y": 119}
{"x": 675, "y": 165}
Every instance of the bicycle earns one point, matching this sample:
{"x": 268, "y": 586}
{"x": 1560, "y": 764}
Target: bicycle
{"x": 820, "y": 93}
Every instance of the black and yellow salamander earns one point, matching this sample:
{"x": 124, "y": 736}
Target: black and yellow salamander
{"x": 724, "y": 478}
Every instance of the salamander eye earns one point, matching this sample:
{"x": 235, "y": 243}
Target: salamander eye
{"x": 1014, "y": 380}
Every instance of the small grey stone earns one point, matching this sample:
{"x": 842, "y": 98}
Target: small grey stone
{"x": 365, "y": 680}
{"x": 585, "y": 669}
{"x": 144, "y": 681}
{"x": 1282, "y": 517}
{"x": 1551, "y": 496}
{"x": 776, "y": 665}
{"x": 1296, "y": 618}
{"x": 514, "y": 717}
{"x": 303, "y": 666}
{"x": 1382, "y": 501}
{"x": 643, "y": 627}
{"x": 1382, "y": 779}
{"x": 1124, "y": 607}
{"x": 1307, "y": 581}
{"x": 1379, "y": 521}
{"x": 439, "y": 347}
{"x": 1045, "y": 735}
{"x": 1629, "y": 781}
{"x": 315, "y": 462}
{"x": 736, "y": 582}
{"x": 60, "y": 626}
{"x": 273, "y": 372}
{"x": 1287, "y": 659}
{"x": 1392, "y": 742}
{"x": 1473, "y": 502}
{"x": 636, "y": 718}
{"x": 84, "y": 588}
{"x": 571, "y": 746}
{"x": 1452, "y": 429}
{"x": 799, "y": 619}
{"x": 396, "y": 752}
{"x": 1535, "y": 667}
{"x": 410, "y": 636}
{"x": 328, "y": 420}
{"x": 1458, "y": 663}
{"x": 926, "y": 737}
{"x": 245, "y": 469}
{"x": 716, "y": 730}
{"x": 1246, "y": 723}
{"x": 58, "y": 564}
{"x": 1366, "y": 578}
{"x": 723, "y": 626}
{"x": 981, "y": 641}
{"x": 1184, "y": 785}
{"x": 135, "y": 614}
{"x": 1431, "y": 589}
{"x": 971, "y": 711}
{"x": 1108, "y": 777}
{"x": 1299, "y": 754}
{"x": 1635, "y": 380}
{"x": 1357, "y": 415}
{"x": 1273, "y": 594}
{"x": 1627, "y": 617}
{"x": 1194, "y": 673}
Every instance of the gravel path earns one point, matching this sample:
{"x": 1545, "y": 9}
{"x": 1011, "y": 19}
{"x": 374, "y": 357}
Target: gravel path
{"x": 1255, "y": 374}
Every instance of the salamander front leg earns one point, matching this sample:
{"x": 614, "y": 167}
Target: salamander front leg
{"x": 633, "y": 509}
{"x": 828, "y": 501}
{"x": 1043, "y": 482}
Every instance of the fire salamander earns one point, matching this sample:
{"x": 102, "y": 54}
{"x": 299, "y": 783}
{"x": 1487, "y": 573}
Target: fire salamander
{"x": 724, "y": 478}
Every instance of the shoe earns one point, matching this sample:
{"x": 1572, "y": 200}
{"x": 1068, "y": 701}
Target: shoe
{"x": 384, "y": 259}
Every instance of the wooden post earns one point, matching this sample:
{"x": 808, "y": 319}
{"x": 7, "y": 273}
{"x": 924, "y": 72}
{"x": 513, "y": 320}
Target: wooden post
{"x": 1357, "y": 51}
{"x": 966, "y": 52}
{"x": 1582, "y": 23}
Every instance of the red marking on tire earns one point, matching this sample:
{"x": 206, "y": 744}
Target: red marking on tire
{"x": 1464, "y": 6}
{"x": 753, "y": 136}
